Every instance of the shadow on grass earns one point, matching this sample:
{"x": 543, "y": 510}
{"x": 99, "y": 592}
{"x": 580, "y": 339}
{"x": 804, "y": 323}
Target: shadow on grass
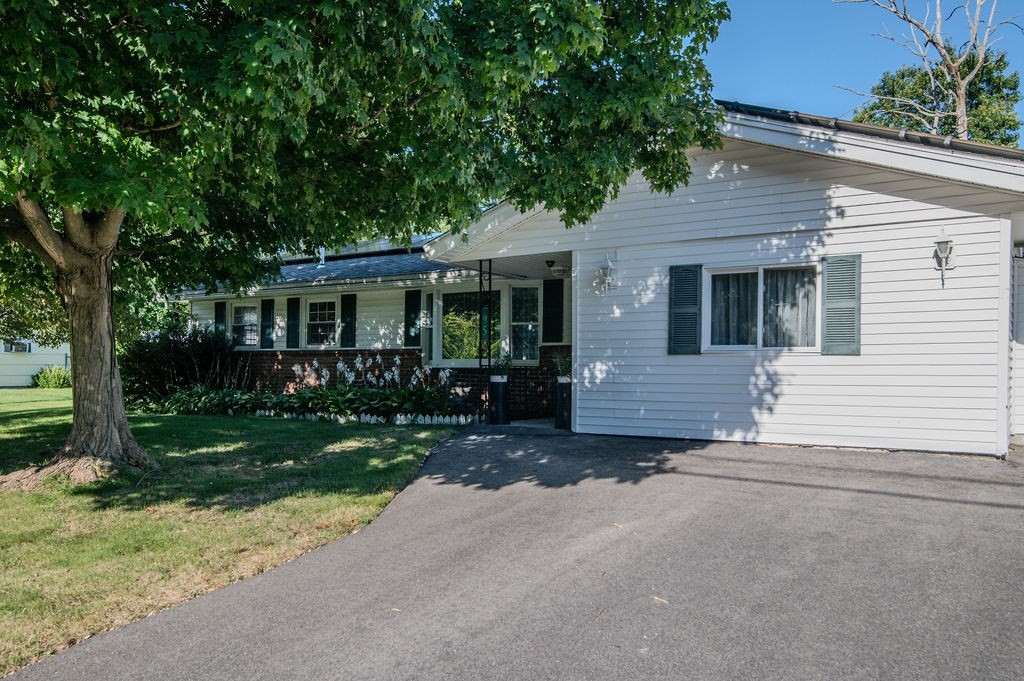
{"x": 29, "y": 437}
{"x": 242, "y": 463}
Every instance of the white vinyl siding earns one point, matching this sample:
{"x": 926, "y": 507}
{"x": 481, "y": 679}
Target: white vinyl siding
{"x": 927, "y": 377}
{"x": 17, "y": 368}
{"x": 379, "y": 316}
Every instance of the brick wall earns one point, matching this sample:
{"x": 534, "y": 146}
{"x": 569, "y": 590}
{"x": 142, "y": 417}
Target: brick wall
{"x": 532, "y": 389}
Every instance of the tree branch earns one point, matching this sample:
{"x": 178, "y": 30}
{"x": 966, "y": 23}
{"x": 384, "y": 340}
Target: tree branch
{"x": 38, "y": 225}
{"x": 156, "y": 128}
{"x": 74, "y": 225}
{"x": 108, "y": 228}
{"x": 13, "y": 228}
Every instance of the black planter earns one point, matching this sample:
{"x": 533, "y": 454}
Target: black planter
{"x": 497, "y": 403}
{"x": 563, "y": 404}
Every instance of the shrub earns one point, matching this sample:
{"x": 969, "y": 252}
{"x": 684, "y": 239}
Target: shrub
{"x": 158, "y": 365}
{"x": 52, "y": 377}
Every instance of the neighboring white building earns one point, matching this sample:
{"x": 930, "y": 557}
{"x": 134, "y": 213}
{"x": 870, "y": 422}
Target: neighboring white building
{"x": 20, "y": 360}
{"x": 795, "y": 292}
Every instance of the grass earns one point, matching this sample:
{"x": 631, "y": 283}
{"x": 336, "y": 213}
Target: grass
{"x": 234, "y": 497}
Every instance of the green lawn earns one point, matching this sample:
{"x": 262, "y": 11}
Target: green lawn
{"x": 234, "y": 496}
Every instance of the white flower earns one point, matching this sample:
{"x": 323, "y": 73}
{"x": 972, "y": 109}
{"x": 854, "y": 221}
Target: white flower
{"x": 398, "y": 361}
{"x": 297, "y": 369}
{"x": 316, "y": 364}
{"x": 359, "y": 362}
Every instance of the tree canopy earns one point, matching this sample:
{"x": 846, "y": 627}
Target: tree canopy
{"x": 160, "y": 144}
{"x": 909, "y": 99}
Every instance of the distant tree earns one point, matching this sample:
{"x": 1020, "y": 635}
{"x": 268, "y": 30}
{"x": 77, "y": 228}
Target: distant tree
{"x": 953, "y": 88}
{"x": 911, "y": 98}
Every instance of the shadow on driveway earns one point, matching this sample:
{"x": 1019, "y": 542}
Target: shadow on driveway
{"x": 533, "y": 555}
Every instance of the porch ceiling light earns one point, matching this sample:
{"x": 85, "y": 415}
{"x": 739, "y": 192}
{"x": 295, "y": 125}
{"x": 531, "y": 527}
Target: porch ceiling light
{"x": 557, "y": 271}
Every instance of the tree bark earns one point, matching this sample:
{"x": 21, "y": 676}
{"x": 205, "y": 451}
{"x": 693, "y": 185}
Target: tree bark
{"x": 100, "y": 426}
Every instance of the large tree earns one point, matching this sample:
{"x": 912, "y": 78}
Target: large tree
{"x": 141, "y": 137}
{"x": 955, "y": 84}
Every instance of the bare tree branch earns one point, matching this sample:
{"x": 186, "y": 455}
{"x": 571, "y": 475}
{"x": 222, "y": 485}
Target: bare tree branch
{"x": 942, "y": 62}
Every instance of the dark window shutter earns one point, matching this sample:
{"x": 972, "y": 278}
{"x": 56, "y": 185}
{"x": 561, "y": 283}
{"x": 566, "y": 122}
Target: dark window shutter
{"x": 267, "y": 323}
{"x": 840, "y": 300}
{"x": 220, "y": 317}
{"x": 348, "y": 321}
{"x": 412, "y": 318}
{"x": 553, "y": 313}
{"x": 292, "y": 337}
{"x": 684, "y": 313}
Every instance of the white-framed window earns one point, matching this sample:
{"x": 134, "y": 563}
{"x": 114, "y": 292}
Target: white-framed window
{"x": 761, "y": 307}
{"x": 245, "y": 325}
{"x": 322, "y": 322}
{"x": 21, "y": 346}
{"x": 524, "y": 323}
{"x": 451, "y": 324}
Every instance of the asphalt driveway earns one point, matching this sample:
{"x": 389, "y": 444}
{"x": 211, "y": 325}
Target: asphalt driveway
{"x": 529, "y": 555}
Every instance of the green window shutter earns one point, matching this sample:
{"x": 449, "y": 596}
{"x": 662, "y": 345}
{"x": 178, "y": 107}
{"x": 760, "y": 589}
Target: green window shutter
{"x": 292, "y": 325}
{"x": 840, "y": 301}
{"x": 412, "y": 318}
{"x": 220, "y": 317}
{"x": 267, "y": 323}
{"x": 553, "y": 313}
{"x": 684, "y": 313}
{"x": 348, "y": 321}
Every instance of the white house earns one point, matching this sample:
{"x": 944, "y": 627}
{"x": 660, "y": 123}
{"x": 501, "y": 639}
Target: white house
{"x": 818, "y": 282}
{"x": 21, "y": 359}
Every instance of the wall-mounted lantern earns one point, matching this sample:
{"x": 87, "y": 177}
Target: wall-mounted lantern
{"x": 943, "y": 256}
{"x": 607, "y": 277}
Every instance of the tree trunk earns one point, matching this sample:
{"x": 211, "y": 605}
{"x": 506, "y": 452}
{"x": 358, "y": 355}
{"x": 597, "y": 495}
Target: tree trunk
{"x": 962, "y": 120}
{"x": 100, "y": 425}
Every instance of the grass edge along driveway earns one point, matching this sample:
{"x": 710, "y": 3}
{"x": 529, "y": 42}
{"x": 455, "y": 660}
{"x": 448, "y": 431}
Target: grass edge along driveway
{"x": 234, "y": 496}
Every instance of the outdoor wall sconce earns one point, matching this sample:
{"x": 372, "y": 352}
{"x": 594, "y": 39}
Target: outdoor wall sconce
{"x": 607, "y": 277}
{"x": 557, "y": 271}
{"x": 943, "y": 256}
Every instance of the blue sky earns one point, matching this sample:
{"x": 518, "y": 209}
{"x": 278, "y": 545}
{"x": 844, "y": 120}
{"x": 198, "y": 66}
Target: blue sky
{"x": 789, "y": 54}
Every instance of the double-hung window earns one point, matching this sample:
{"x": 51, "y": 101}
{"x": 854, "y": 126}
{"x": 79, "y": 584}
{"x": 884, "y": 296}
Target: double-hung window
{"x": 524, "y": 326}
{"x": 244, "y": 325}
{"x": 17, "y": 346}
{"x": 766, "y": 307}
{"x": 322, "y": 322}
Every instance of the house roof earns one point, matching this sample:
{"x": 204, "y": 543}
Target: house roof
{"x": 351, "y": 268}
{"x": 978, "y": 165}
{"x": 926, "y": 139}
{"x": 379, "y": 265}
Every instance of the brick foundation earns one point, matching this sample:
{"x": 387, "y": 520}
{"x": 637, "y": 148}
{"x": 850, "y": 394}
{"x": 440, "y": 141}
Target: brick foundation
{"x": 532, "y": 389}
